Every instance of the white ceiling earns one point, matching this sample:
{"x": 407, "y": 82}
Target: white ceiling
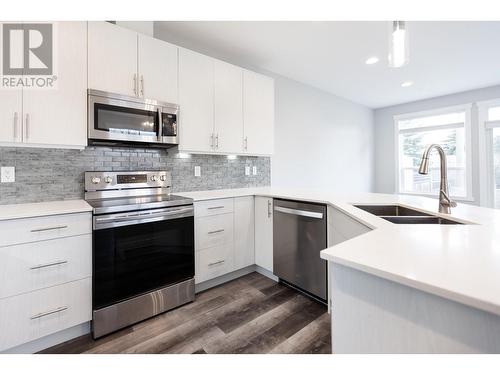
{"x": 445, "y": 57}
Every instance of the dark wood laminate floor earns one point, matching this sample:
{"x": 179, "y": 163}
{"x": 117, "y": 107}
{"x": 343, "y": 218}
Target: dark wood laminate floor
{"x": 252, "y": 314}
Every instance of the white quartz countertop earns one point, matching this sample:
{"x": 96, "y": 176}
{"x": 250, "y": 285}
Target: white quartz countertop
{"x": 457, "y": 262}
{"x": 25, "y": 210}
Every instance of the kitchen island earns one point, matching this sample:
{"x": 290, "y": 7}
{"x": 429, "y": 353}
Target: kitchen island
{"x": 407, "y": 288}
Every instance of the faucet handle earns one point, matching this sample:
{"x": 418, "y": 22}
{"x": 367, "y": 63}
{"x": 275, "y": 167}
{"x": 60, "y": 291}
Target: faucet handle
{"x": 446, "y": 200}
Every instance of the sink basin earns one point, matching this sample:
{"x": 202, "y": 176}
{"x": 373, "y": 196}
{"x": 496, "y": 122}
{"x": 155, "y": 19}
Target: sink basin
{"x": 402, "y": 215}
{"x": 419, "y": 220}
{"x": 390, "y": 210}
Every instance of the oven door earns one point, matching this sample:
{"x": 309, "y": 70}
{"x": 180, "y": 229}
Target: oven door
{"x": 138, "y": 252}
{"x": 123, "y": 119}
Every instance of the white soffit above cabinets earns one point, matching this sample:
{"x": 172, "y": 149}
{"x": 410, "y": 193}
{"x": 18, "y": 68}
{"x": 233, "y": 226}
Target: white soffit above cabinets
{"x": 445, "y": 56}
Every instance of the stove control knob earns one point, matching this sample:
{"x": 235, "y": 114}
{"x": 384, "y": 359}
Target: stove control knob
{"x": 154, "y": 178}
{"x": 95, "y": 180}
{"x": 163, "y": 177}
{"x": 108, "y": 179}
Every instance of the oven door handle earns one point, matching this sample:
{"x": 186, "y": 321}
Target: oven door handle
{"x": 118, "y": 220}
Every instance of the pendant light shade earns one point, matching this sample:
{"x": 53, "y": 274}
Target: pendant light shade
{"x": 399, "y": 53}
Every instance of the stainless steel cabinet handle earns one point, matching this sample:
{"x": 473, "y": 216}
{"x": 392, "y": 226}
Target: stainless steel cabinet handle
{"x": 27, "y": 125}
{"x": 40, "y": 315}
{"x": 246, "y": 143}
{"x": 269, "y": 208}
{"x": 142, "y": 85}
{"x": 212, "y": 141}
{"x": 216, "y": 231}
{"x": 49, "y": 228}
{"x": 135, "y": 84}
{"x": 16, "y": 120}
{"x": 215, "y": 208}
{"x": 215, "y": 263}
{"x": 292, "y": 211}
{"x": 217, "y": 141}
{"x": 57, "y": 263}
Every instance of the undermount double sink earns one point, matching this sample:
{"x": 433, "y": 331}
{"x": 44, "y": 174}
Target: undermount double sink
{"x": 403, "y": 215}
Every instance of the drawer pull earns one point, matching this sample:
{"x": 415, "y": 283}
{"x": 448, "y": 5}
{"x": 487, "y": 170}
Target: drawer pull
{"x": 49, "y": 228}
{"x": 57, "y": 263}
{"x": 216, "y": 263}
{"x": 215, "y": 208}
{"x": 216, "y": 231}
{"x": 50, "y": 312}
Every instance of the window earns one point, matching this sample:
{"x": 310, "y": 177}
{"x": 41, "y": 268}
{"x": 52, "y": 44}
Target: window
{"x": 489, "y": 141}
{"x": 448, "y": 127}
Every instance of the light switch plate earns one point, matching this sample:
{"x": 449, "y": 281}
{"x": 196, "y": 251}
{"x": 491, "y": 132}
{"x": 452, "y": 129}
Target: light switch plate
{"x": 197, "y": 171}
{"x": 254, "y": 170}
{"x": 247, "y": 170}
{"x": 8, "y": 174}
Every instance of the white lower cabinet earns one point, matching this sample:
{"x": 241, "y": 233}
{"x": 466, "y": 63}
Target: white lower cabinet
{"x": 45, "y": 276}
{"x": 224, "y": 236}
{"x": 244, "y": 232}
{"x": 213, "y": 262}
{"x": 264, "y": 232}
{"x": 29, "y": 316}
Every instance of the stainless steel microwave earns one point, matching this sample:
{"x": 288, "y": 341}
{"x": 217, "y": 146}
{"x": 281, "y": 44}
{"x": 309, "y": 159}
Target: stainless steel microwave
{"x": 120, "y": 119}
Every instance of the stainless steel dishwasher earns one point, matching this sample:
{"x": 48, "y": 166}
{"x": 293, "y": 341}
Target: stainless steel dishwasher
{"x": 299, "y": 236}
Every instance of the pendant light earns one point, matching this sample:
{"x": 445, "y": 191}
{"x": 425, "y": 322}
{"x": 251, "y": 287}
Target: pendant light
{"x": 398, "y": 44}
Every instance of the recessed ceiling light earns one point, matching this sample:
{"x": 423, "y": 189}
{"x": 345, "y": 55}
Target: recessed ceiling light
{"x": 407, "y": 84}
{"x": 372, "y": 60}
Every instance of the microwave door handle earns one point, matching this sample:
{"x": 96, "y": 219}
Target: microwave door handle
{"x": 160, "y": 125}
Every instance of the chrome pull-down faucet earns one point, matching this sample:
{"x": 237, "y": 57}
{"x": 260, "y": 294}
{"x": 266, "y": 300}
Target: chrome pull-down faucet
{"x": 445, "y": 203}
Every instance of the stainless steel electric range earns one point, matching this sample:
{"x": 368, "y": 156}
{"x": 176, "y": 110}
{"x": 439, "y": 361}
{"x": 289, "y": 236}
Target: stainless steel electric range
{"x": 143, "y": 247}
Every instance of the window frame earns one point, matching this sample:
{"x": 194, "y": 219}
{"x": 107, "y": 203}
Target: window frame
{"x": 467, "y": 109}
{"x": 486, "y": 162}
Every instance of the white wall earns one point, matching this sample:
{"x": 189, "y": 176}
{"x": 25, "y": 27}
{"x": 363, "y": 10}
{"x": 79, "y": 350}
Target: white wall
{"x": 384, "y": 134}
{"x": 321, "y": 140}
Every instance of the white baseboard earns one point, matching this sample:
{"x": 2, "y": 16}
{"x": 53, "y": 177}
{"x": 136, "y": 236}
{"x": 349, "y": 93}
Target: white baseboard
{"x": 50, "y": 340}
{"x": 232, "y": 276}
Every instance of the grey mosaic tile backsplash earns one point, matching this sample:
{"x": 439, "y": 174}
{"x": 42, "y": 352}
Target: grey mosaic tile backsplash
{"x": 55, "y": 174}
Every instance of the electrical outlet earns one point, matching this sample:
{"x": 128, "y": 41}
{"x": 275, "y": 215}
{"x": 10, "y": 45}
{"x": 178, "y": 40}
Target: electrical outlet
{"x": 254, "y": 170}
{"x": 197, "y": 171}
{"x": 247, "y": 170}
{"x": 8, "y": 174}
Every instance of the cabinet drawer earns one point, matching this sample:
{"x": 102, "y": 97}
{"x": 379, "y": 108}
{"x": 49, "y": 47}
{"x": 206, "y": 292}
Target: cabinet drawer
{"x": 213, "y": 207}
{"x": 37, "y": 265}
{"x": 33, "y": 315}
{"x": 44, "y": 228}
{"x": 213, "y": 231}
{"x": 345, "y": 226}
{"x": 213, "y": 262}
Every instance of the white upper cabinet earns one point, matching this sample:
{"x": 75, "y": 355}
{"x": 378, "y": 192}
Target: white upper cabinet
{"x": 112, "y": 58}
{"x": 157, "y": 69}
{"x": 11, "y": 112}
{"x": 196, "y": 101}
{"x": 46, "y": 117}
{"x": 258, "y": 113}
{"x": 59, "y": 116}
{"x": 228, "y": 108}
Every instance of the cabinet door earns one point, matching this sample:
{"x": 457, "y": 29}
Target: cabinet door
{"x": 59, "y": 116}
{"x": 11, "y": 115}
{"x": 244, "y": 232}
{"x": 264, "y": 232}
{"x": 157, "y": 69}
{"x": 228, "y": 108}
{"x": 112, "y": 58}
{"x": 196, "y": 100}
{"x": 11, "y": 108}
{"x": 258, "y": 113}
